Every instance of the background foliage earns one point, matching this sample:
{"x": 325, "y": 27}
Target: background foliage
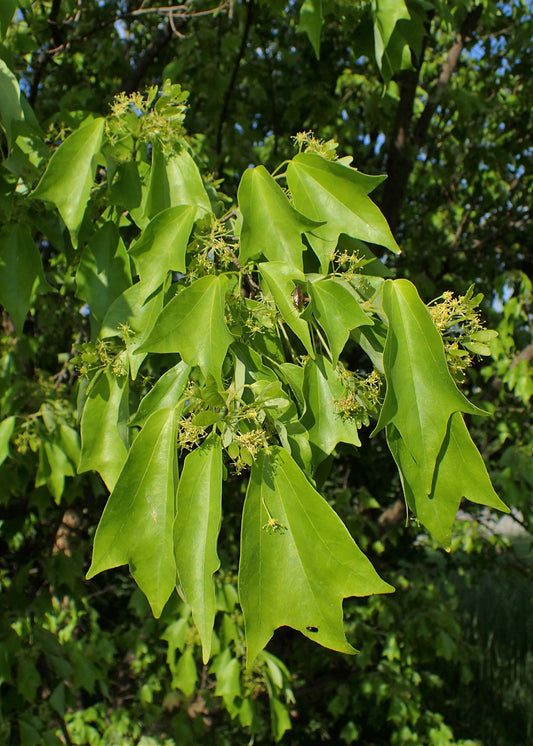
{"x": 433, "y": 94}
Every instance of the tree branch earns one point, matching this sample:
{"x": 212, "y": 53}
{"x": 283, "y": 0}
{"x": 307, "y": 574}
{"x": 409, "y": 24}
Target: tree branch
{"x": 233, "y": 78}
{"x": 150, "y": 54}
{"x": 399, "y": 163}
{"x": 465, "y": 33}
{"x": 403, "y": 146}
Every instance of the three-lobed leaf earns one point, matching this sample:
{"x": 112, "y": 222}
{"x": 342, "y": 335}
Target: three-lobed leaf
{"x": 337, "y": 196}
{"x": 174, "y": 181}
{"x": 193, "y": 325}
{"x": 460, "y": 472}
{"x": 162, "y": 245}
{"x": 166, "y": 392}
{"x": 271, "y": 227}
{"x": 69, "y": 177}
{"x": 298, "y": 560}
{"x": 421, "y": 394}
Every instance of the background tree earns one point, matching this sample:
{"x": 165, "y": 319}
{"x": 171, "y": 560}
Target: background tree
{"x": 434, "y": 94}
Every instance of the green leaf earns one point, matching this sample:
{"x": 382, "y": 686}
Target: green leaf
{"x": 103, "y": 272}
{"x": 397, "y": 31}
{"x": 280, "y": 280}
{"x": 387, "y": 13}
{"x": 280, "y": 718}
{"x": 297, "y": 569}
{"x": 21, "y": 272}
{"x": 185, "y": 675}
{"x": 10, "y": 104}
{"x": 176, "y": 636}
{"x": 131, "y": 310}
{"x": 311, "y": 21}
{"x": 69, "y": 177}
{"x": 270, "y": 225}
{"x": 69, "y": 441}
{"x": 28, "y": 678}
{"x": 175, "y": 181}
{"x": 335, "y": 306}
{"x": 162, "y": 245}
{"x": 193, "y": 324}
{"x": 322, "y": 388}
{"x": 336, "y": 195}
{"x": 228, "y": 673}
{"x": 104, "y": 433}
{"x": 460, "y": 473}
{"x": 199, "y": 513}
{"x": 421, "y": 394}
{"x": 7, "y": 426}
{"x": 125, "y": 190}
{"x": 54, "y": 466}
{"x": 166, "y": 393}
{"x": 372, "y": 342}
{"x": 136, "y": 525}
{"x": 7, "y": 8}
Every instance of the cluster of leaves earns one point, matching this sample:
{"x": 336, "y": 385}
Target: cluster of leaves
{"x": 254, "y": 337}
{"x": 159, "y": 262}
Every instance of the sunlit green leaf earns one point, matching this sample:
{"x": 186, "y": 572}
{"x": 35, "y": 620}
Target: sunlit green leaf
{"x": 7, "y": 426}
{"x": 185, "y": 675}
{"x": 199, "y": 513}
{"x": 104, "y": 433}
{"x": 193, "y": 324}
{"x": 335, "y": 306}
{"x": 280, "y": 718}
{"x": 281, "y": 279}
{"x": 162, "y": 245}
{"x": 460, "y": 472}
{"x": 10, "y": 105}
{"x": 175, "y": 181}
{"x": 271, "y": 226}
{"x": 69, "y": 177}
{"x": 166, "y": 392}
{"x": 298, "y": 560}
{"x": 336, "y": 195}
{"x": 136, "y": 525}
{"x": 228, "y": 673}
{"x": 323, "y": 391}
{"x": 132, "y": 317}
{"x": 421, "y": 394}
{"x": 387, "y": 13}
{"x": 398, "y": 34}
{"x": 54, "y": 466}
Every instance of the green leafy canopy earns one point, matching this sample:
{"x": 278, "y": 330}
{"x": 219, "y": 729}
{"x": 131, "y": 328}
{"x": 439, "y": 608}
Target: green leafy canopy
{"x": 223, "y": 343}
